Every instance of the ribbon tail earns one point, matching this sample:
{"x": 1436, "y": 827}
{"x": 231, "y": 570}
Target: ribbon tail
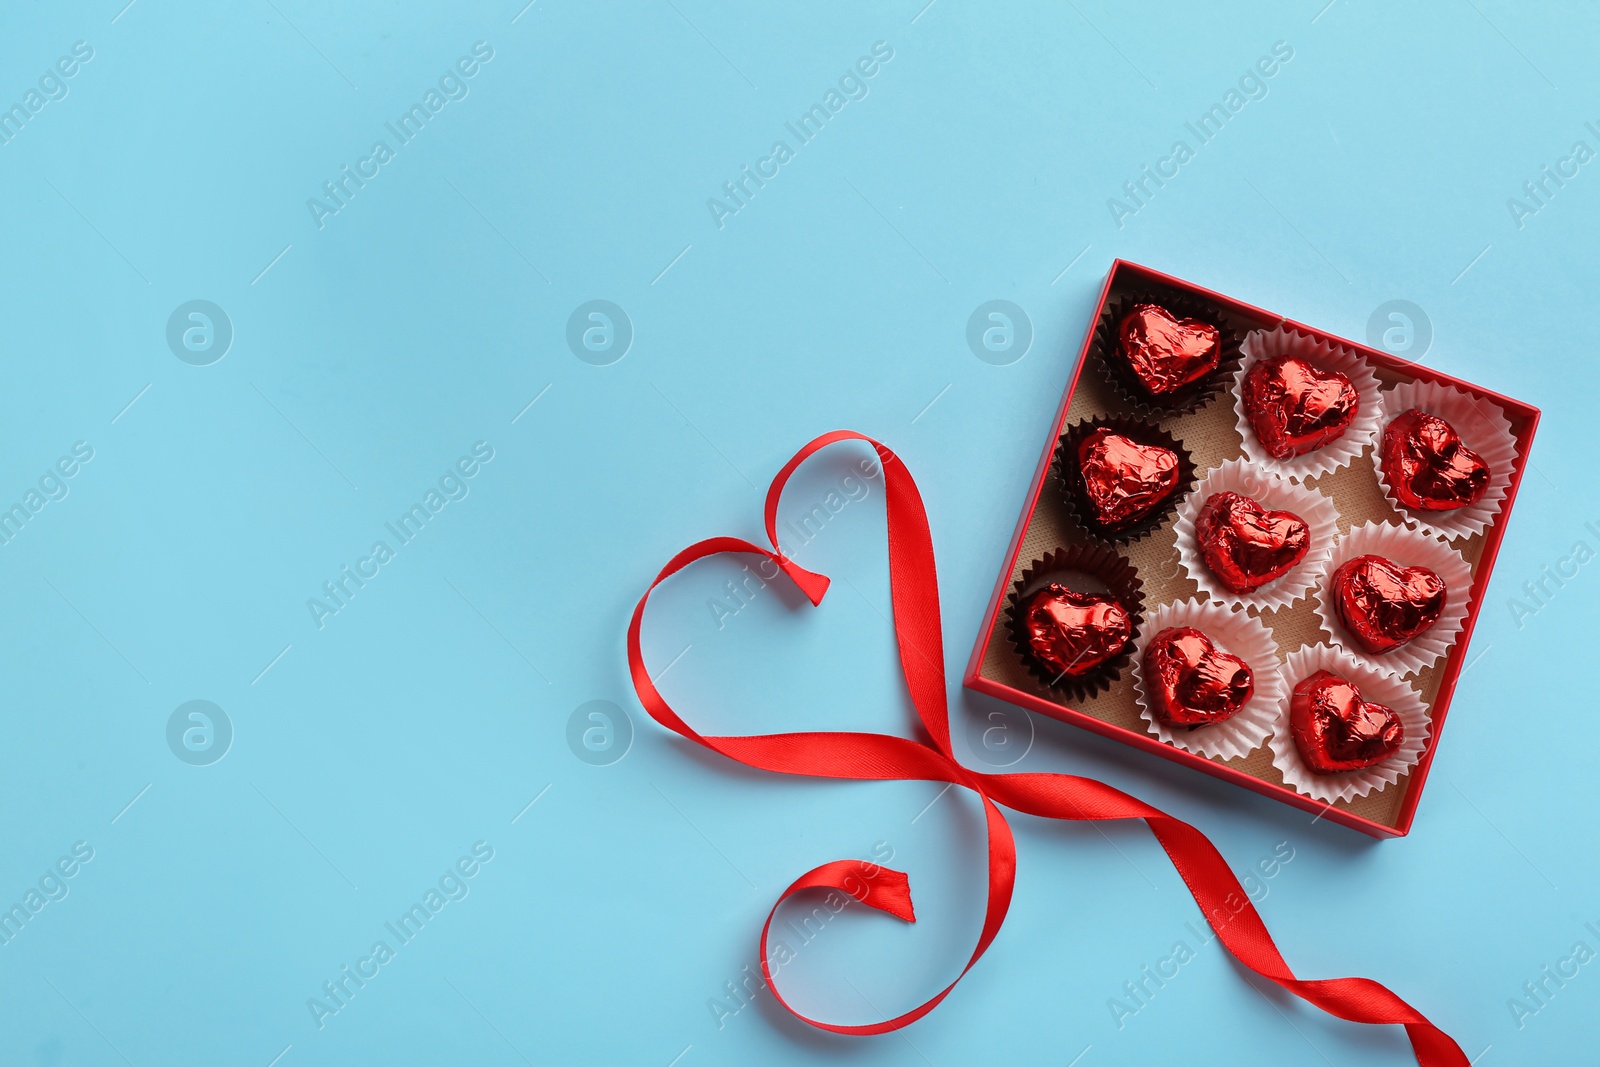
{"x": 877, "y": 887}
{"x": 1242, "y": 931}
{"x": 1435, "y": 1047}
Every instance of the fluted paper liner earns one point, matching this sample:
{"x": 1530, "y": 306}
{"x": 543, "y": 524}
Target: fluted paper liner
{"x": 1231, "y": 631}
{"x": 1274, "y": 494}
{"x": 1378, "y": 686}
{"x": 1409, "y": 548}
{"x": 1325, "y": 355}
{"x": 1483, "y": 427}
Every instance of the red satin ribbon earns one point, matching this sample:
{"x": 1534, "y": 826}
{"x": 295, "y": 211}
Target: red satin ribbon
{"x": 885, "y": 757}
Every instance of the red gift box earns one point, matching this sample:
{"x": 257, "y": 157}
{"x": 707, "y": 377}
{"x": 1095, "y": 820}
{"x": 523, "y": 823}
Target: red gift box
{"x": 1047, "y": 523}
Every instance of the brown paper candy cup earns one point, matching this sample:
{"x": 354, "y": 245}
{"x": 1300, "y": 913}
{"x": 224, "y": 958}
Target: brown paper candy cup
{"x": 1084, "y": 569}
{"x": 1069, "y": 477}
{"x": 1129, "y": 390}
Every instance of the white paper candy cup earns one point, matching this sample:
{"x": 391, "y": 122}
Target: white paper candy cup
{"x": 1231, "y": 631}
{"x": 1483, "y": 427}
{"x": 1326, "y": 356}
{"x": 1274, "y": 494}
{"x": 1382, "y": 687}
{"x": 1409, "y": 548}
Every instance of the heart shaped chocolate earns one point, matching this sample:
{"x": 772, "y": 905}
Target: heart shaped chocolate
{"x": 1192, "y": 682}
{"x": 1335, "y": 730}
{"x": 1167, "y": 353}
{"x": 1295, "y": 407}
{"x": 1123, "y": 480}
{"x": 1427, "y": 465}
{"x": 1383, "y": 604}
{"x": 1245, "y": 545}
{"x": 1072, "y": 633}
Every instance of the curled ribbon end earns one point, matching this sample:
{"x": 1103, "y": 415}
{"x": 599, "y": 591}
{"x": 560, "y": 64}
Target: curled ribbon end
{"x": 890, "y": 891}
{"x": 812, "y": 584}
{"x": 877, "y": 887}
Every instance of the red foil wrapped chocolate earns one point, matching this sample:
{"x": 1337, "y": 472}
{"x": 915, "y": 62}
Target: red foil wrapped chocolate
{"x": 1245, "y": 545}
{"x": 1296, "y": 408}
{"x": 1383, "y": 604}
{"x": 1164, "y": 353}
{"x": 1427, "y": 465}
{"x": 1073, "y": 633}
{"x": 1192, "y": 682}
{"x": 1335, "y": 730}
{"x": 1122, "y": 479}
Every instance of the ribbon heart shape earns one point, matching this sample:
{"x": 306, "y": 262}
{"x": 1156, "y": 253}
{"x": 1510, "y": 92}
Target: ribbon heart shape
{"x": 887, "y": 757}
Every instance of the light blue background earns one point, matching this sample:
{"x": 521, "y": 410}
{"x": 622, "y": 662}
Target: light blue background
{"x": 427, "y": 314}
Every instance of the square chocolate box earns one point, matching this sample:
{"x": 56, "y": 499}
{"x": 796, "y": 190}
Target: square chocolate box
{"x": 1256, "y": 549}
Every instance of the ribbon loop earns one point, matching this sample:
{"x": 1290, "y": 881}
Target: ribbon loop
{"x": 918, "y": 631}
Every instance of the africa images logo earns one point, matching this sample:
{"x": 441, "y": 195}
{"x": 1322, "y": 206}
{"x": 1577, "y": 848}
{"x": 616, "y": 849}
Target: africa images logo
{"x": 452, "y": 86}
{"x": 52, "y": 487}
{"x": 1252, "y": 86}
{"x": 453, "y": 485}
{"x": 452, "y": 886}
{"x": 52, "y": 86}
{"x": 852, "y": 85}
